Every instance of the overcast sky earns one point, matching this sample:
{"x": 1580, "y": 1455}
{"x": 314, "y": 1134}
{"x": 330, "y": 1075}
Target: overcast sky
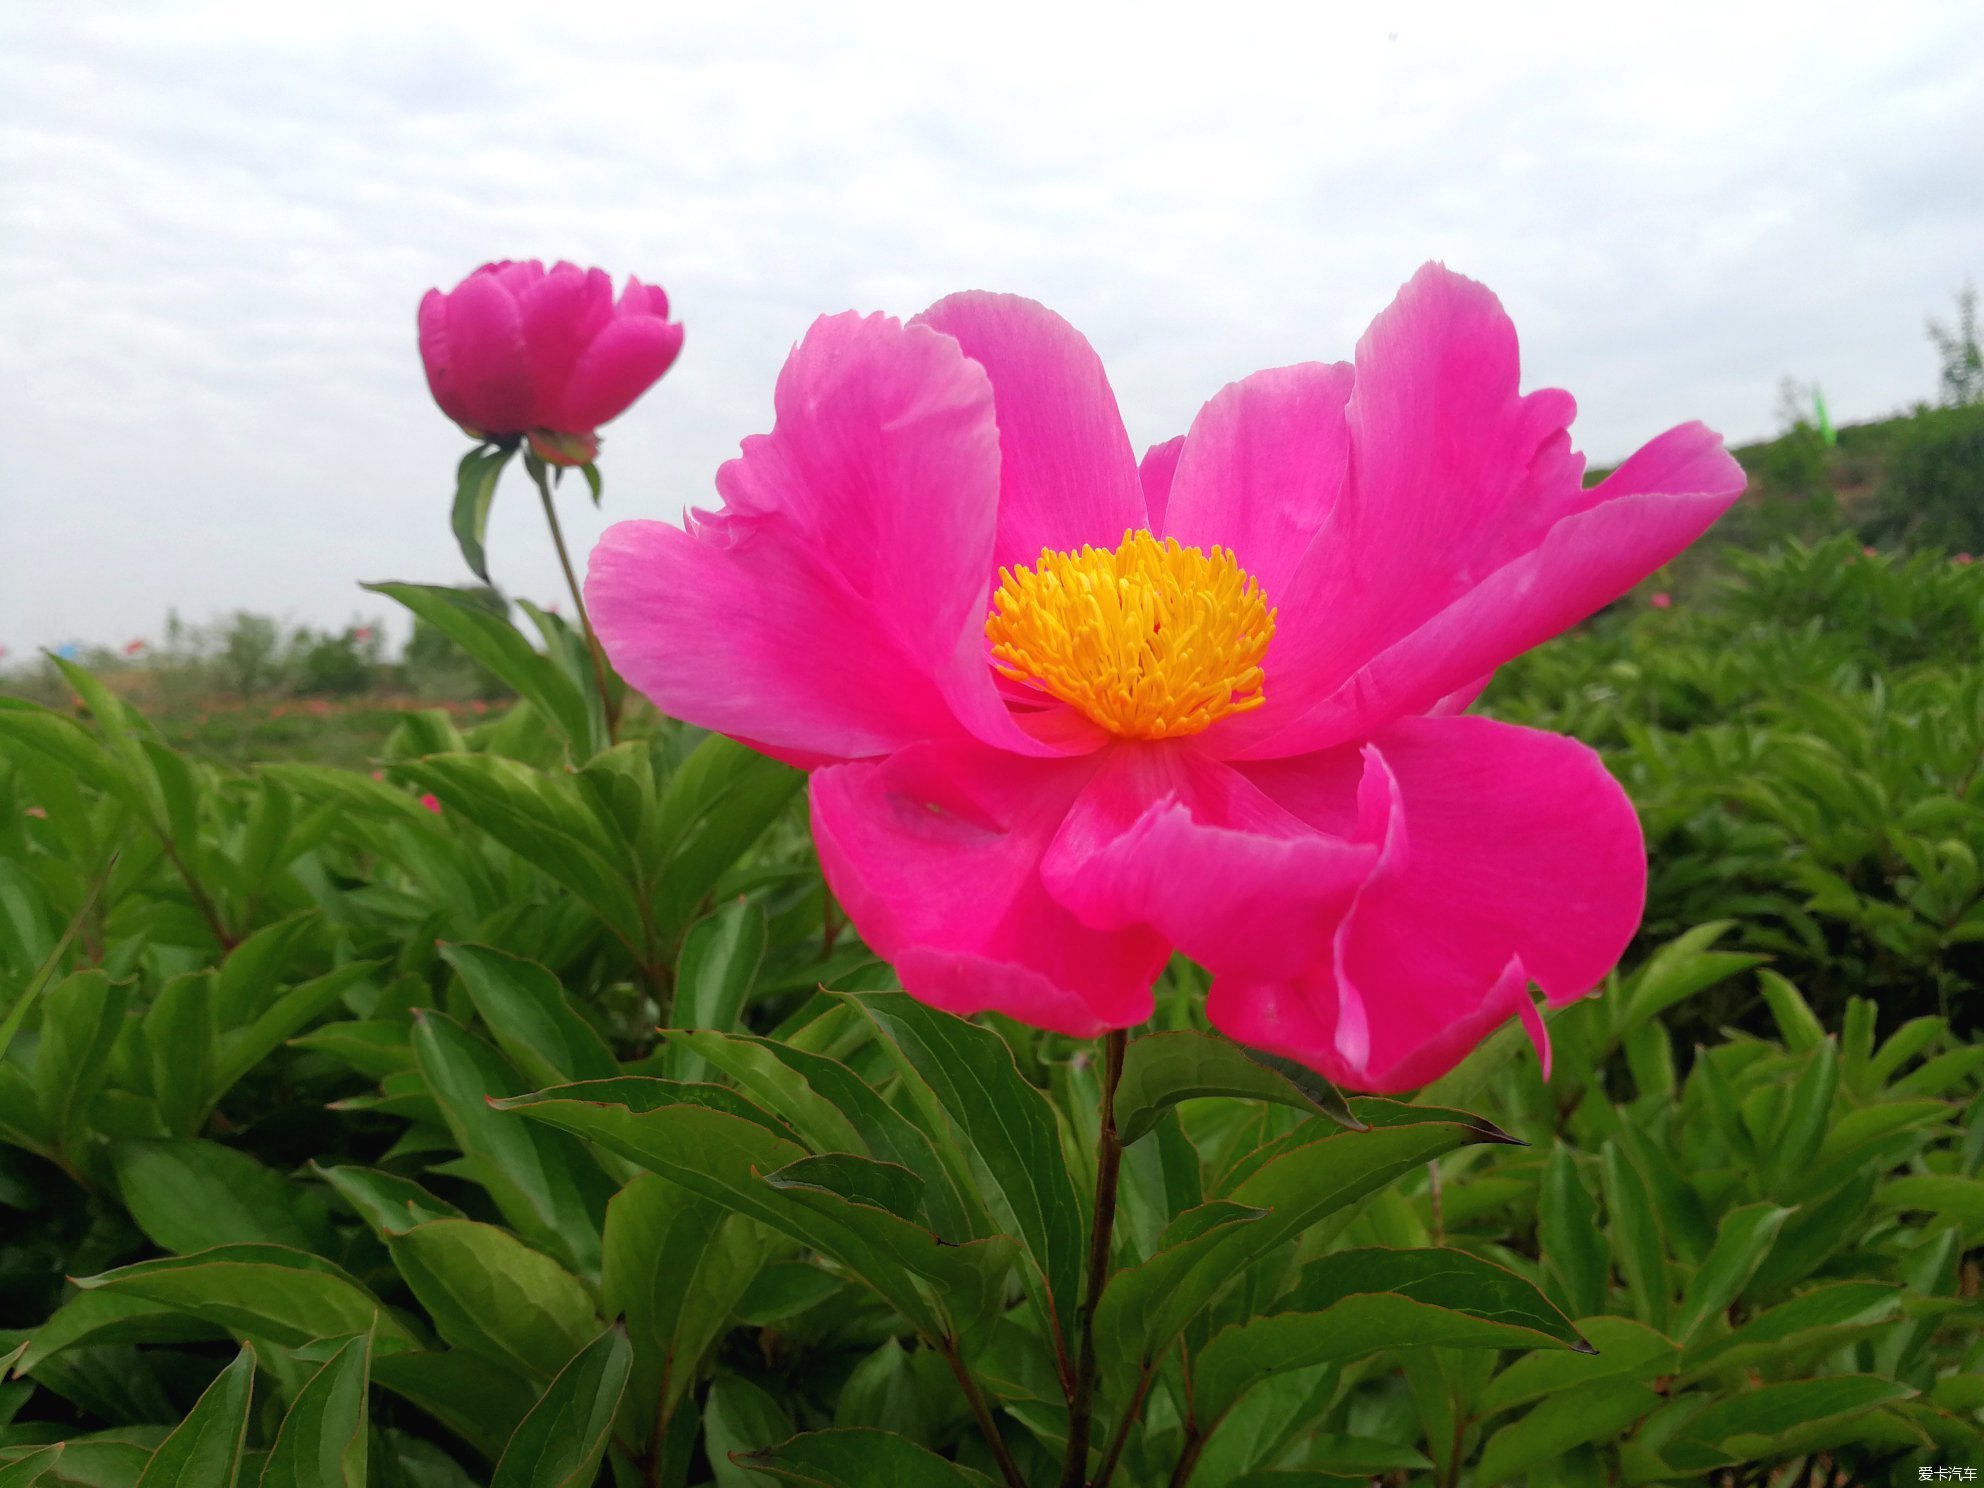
{"x": 216, "y": 220}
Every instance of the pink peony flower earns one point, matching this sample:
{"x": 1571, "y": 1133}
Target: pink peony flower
{"x": 1870, "y": 552}
{"x": 431, "y": 801}
{"x": 1066, "y": 713}
{"x": 515, "y": 351}
{"x": 1661, "y": 601}
{"x": 1962, "y": 560}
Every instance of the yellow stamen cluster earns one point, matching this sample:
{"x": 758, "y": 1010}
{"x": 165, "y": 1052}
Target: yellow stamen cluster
{"x": 1152, "y": 641}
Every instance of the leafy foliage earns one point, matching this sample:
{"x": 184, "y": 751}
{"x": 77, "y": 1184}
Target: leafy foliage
{"x": 564, "y": 1134}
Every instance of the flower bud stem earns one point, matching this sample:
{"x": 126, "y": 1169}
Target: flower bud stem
{"x": 1108, "y": 1165}
{"x": 612, "y": 713}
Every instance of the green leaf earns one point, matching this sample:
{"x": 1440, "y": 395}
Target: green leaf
{"x": 179, "y": 1050}
{"x": 242, "y": 1048}
{"x": 321, "y": 1443}
{"x": 1162, "y": 1069}
{"x": 1636, "y": 1238}
{"x": 1796, "y": 1023}
{"x": 24, "y": 1472}
{"x": 1960, "y": 1199}
{"x": 475, "y": 488}
{"x": 81, "y": 1017}
{"x": 768, "y": 1080}
{"x": 713, "y": 978}
{"x": 723, "y": 1157}
{"x": 1316, "y": 1171}
{"x": 490, "y": 1293}
{"x": 1626, "y": 1350}
{"x": 480, "y": 1402}
{"x": 559, "y": 1444}
{"x": 526, "y": 1008}
{"x": 546, "y": 1185}
{"x": 1763, "y": 1423}
{"x": 1584, "y": 1413}
{"x": 1807, "y": 1113}
{"x": 1008, "y": 1128}
{"x": 716, "y": 805}
{"x": 676, "y": 1266}
{"x": 204, "y": 1451}
{"x": 500, "y": 646}
{"x": 1742, "y": 1240}
{"x": 191, "y": 1196}
{"x": 390, "y": 1204}
{"x": 1574, "y": 1252}
{"x": 859, "y": 1457}
{"x": 1679, "y": 969}
{"x": 1812, "y": 1322}
{"x": 740, "y": 1418}
{"x": 1357, "y": 1302}
{"x": 540, "y": 818}
{"x": 108, "y": 1318}
{"x": 285, "y": 1296}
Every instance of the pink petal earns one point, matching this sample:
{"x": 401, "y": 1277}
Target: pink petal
{"x": 1260, "y": 470}
{"x": 485, "y": 369}
{"x": 642, "y": 299}
{"x": 935, "y": 854}
{"x": 835, "y": 607}
{"x": 623, "y": 361}
{"x": 561, "y": 314}
{"x": 1167, "y": 838}
{"x": 434, "y": 356}
{"x": 1510, "y": 856}
{"x": 1067, "y": 473}
{"x": 1638, "y": 519}
{"x": 1154, "y": 474}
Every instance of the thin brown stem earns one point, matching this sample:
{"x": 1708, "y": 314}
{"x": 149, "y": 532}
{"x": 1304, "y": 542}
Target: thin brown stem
{"x": 201, "y": 902}
{"x": 598, "y": 652}
{"x": 1195, "y": 1443}
{"x": 1009, "y": 1470}
{"x": 1120, "y": 1438}
{"x": 1108, "y": 1166}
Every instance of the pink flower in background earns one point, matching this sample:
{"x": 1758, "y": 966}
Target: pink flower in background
{"x": 1870, "y": 552}
{"x": 362, "y": 635}
{"x": 132, "y": 648}
{"x": 514, "y": 350}
{"x": 1661, "y": 601}
{"x": 432, "y": 802}
{"x": 1962, "y": 560}
{"x": 1067, "y": 712}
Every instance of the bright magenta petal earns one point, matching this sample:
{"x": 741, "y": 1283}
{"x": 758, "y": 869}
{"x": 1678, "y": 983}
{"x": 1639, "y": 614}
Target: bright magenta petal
{"x": 623, "y": 361}
{"x": 561, "y": 314}
{"x": 1455, "y": 476}
{"x": 1068, "y": 476}
{"x": 1510, "y": 855}
{"x": 1154, "y": 473}
{"x": 486, "y": 370}
{"x": 935, "y": 854}
{"x": 1260, "y": 470}
{"x": 838, "y": 599}
{"x": 1637, "y": 519}
{"x": 1167, "y": 838}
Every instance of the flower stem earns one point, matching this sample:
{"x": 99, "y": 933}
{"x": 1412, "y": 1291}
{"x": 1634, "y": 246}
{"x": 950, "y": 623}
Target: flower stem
{"x": 1009, "y": 1470}
{"x": 612, "y": 714}
{"x": 1108, "y": 1165}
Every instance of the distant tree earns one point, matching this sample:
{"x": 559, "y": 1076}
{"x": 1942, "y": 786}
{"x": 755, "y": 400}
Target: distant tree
{"x": 250, "y": 659}
{"x": 1962, "y": 374}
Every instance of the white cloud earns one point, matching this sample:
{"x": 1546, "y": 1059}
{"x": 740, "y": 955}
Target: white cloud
{"x": 220, "y": 217}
